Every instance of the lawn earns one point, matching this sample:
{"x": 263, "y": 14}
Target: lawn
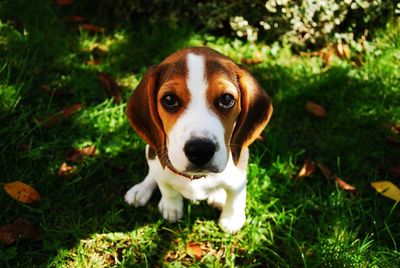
{"x": 59, "y": 88}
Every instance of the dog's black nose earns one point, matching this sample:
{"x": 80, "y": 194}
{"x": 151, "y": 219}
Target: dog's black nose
{"x": 199, "y": 151}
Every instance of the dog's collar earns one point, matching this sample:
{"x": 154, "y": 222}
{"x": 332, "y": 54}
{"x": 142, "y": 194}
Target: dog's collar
{"x": 183, "y": 174}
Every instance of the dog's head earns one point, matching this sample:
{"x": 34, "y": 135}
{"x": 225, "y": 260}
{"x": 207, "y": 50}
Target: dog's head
{"x": 195, "y": 108}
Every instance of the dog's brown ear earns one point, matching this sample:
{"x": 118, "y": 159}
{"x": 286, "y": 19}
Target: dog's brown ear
{"x": 256, "y": 110}
{"x": 142, "y": 112}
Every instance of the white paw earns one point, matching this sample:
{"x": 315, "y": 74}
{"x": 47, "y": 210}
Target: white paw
{"x": 217, "y": 199}
{"x": 138, "y": 195}
{"x": 233, "y": 223}
{"x": 171, "y": 208}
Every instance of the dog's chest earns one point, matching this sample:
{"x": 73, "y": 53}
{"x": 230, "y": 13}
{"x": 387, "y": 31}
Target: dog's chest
{"x": 197, "y": 189}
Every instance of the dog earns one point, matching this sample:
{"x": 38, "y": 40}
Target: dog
{"x": 198, "y": 111}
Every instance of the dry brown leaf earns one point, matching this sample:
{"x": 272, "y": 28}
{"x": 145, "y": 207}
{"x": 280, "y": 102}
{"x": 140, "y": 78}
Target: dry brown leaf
{"x": 63, "y": 114}
{"x": 315, "y": 109}
{"x": 19, "y": 229}
{"x": 195, "y": 250}
{"x": 70, "y": 110}
{"x": 21, "y": 192}
{"x": 53, "y": 93}
{"x": 325, "y": 170}
{"x": 65, "y": 170}
{"x": 329, "y": 175}
{"x": 110, "y": 85}
{"x": 344, "y": 185}
{"x": 88, "y": 151}
{"x": 76, "y": 155}
{"x": 387, "y": 188}
{"x": 307, "y": 169}
{"x": 92, "y": 28}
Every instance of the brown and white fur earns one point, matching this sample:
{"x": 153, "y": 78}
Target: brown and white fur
{"x": 198, "y": 111}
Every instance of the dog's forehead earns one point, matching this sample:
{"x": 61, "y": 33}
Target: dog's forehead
{"x": 209, "y": 62}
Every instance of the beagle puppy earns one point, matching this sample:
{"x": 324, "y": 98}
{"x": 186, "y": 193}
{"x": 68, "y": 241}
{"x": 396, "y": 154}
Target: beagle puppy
{"x": 198, "y": 112}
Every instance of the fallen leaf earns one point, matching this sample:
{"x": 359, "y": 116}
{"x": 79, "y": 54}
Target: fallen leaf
{"x": 307, "y": 169}
{"x": 325, "y": 170}
{"x": 110, "y": 85}
{"x": 195, "y": 250}
{"x": 63, "y": 2}
{"x": 65, "y": 170}
{"x": 344, "y": 185}
{"x": 329, "y": 175}
{"x": 19, "y": 229}
{"x": 76, "y": 155}
{"x": 89, "y": 151}
{"x": 92, "y": 28}
{"x": 53, "y": 93}
{"x": 387, "y": 188}
{"x": 21, "y": 192}
{"x": 70, "y": 110}
{"x": 315, "y": 109}
{"x": 63, "y": 114}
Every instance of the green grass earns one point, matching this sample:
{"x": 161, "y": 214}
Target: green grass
{"x": 83, "y": 220}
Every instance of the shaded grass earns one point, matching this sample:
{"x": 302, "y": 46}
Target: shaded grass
{"x": 83, "y": 220}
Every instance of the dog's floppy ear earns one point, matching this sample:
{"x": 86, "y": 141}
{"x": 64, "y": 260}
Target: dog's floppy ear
{"x": 142, "y": 112}
{"x": 256, "y": 110}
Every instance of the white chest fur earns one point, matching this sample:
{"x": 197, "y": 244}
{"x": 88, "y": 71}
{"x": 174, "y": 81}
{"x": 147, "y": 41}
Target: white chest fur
{"x": 225, "y": 190}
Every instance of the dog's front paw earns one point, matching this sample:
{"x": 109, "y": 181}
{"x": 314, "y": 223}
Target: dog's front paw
{"x": 217, "y": 199}
{"x": 138, "y": 195}
{"x": 232, "y": 223}
{"x": 171, "y": 208}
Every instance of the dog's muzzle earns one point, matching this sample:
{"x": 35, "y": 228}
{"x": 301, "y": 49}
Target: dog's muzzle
{"x": 200, "y": 151}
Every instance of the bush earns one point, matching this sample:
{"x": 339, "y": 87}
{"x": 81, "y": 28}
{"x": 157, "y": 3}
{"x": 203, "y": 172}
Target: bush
{"x": 301, "y": 23}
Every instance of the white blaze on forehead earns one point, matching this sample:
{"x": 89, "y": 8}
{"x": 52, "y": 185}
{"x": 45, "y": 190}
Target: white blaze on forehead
{"x": 196, "y": 81}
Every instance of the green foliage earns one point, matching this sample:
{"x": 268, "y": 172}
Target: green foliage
{"x": 303, "y": 24}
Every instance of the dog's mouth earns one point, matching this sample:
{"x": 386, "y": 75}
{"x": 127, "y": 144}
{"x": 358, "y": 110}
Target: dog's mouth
{"x": 194, "y": 172}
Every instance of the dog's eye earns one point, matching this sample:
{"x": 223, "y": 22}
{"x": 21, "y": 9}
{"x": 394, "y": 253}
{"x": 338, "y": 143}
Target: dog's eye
{"x": 226, "y": 101}
{"x": 170, "y": 102}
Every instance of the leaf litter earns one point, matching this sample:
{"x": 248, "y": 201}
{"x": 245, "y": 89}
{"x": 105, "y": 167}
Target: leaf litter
{"x": 21, "y": 192}
{"x": 19, "y": 229}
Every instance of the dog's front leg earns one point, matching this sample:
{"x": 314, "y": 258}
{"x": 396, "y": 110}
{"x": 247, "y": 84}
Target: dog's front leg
{"x": 233, "y": 214}
{"x": 140, "y": 193}
{"x": 171, "y": 203}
